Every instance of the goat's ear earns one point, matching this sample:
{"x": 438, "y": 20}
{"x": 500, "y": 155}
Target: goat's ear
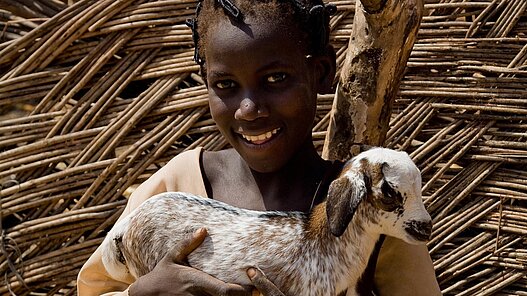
{"x": 344, "y": 195}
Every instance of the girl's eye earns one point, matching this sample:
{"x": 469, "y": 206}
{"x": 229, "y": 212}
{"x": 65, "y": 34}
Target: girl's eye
{"x": 277, "y": 77}
{"x": 225, "y": 84}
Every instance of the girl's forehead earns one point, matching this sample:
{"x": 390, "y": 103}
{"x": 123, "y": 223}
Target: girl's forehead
{"x": 251, "y": 36}
{"x": 254, "y": 46}
{"x": 252, "y": 31}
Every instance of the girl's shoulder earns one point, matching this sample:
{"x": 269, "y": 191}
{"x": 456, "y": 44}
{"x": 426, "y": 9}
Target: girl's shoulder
{"x": 219, "y": 159}
{"x": 221, "y": 164}
{"x": 184, "y": 159}
{"x": 182, "y": 173}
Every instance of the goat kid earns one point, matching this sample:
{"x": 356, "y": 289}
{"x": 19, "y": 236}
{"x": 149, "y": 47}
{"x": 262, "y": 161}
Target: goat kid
{"x": 319, "y": 253}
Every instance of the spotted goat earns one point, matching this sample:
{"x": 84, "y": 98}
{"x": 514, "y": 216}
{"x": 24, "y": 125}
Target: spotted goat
{"x": 323, "y": 252}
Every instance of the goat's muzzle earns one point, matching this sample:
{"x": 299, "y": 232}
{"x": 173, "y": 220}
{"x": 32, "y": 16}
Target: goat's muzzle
{"x": 419, "y": 230}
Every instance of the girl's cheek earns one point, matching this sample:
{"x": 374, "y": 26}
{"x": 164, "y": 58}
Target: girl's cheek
{"x": 219, "y": 108}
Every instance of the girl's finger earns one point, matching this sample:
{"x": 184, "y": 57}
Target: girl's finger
{"x": 213, "y": 286}
{"x": 263, "y": 284}
{"x": 179, "y": 253}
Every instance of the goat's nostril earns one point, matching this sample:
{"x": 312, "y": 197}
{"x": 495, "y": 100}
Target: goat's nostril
{"x": 420, "y": 230}
{"x": 424, "y": 226}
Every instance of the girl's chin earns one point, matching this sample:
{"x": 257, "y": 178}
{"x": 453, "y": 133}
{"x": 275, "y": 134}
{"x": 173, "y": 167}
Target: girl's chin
{"x": 265, "y": 166}
{"x": 265, "y": 157}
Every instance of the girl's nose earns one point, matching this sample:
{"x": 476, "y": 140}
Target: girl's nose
{"x": 249, "y": 110}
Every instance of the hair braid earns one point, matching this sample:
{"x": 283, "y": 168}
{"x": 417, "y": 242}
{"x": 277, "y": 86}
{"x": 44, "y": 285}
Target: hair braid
{"x": 312, "y": 17}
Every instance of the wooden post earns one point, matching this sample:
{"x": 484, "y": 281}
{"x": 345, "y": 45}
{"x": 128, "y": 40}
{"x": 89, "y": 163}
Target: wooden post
{"x": 382, "y": 38}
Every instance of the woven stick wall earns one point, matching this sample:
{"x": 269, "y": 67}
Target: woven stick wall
{"x": 106, "y": 93}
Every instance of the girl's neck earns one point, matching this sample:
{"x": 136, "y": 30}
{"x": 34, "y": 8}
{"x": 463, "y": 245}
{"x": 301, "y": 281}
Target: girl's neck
{"x": 295, "y": 185}
{"x": 228, "y": 178}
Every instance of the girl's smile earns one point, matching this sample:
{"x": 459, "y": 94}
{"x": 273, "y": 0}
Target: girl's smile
{"x": 261, "y": 138}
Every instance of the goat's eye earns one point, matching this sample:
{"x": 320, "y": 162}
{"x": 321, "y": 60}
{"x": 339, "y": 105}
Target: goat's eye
{"x": 388, "y": 203}
{"x": 387, "y": 200}
{"x": 390, "y": 198}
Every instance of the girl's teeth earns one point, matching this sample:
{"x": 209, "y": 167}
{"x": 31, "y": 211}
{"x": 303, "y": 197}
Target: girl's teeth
{"x": 260, "y": 138}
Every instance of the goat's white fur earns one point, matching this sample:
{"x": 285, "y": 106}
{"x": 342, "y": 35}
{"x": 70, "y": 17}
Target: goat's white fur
{"x": 297, "y": 251}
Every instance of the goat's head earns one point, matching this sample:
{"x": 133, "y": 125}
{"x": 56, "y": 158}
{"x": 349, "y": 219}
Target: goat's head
{"x": 388, "y": 184}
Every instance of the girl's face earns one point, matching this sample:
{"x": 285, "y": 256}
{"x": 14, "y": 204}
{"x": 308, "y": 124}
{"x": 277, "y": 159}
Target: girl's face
{"x": 262, "y": 90}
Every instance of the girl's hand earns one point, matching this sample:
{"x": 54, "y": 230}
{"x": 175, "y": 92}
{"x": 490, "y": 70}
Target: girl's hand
{"x": 263, "y": 284}
{"x": 173, "y": 276}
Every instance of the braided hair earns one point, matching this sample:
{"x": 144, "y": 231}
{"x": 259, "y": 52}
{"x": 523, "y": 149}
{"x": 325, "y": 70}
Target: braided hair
{"x": 311, "y": 17}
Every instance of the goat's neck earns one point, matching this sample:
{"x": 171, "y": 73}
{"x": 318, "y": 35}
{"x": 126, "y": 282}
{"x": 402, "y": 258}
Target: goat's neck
{"x": 346, "y": 256}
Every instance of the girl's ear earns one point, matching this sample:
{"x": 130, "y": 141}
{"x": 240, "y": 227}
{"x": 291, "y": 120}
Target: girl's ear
{"x": 325, "y": 70}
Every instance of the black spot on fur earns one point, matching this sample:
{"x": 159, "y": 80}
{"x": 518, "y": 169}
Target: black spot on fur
{"x": 271, "y": 215}
{"x": 218, "y": 205}
{"x": 119, "y": 244}
{"x": 392, "y": 199}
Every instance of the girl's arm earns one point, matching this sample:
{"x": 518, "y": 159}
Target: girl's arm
{"x": 404, "y": 269}
{"x": 181, "y": 173}
{"x": 94, "y": 279}
{"x": 171, "y": 276}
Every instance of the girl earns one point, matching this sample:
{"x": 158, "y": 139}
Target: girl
{"x": 264, "y": 61}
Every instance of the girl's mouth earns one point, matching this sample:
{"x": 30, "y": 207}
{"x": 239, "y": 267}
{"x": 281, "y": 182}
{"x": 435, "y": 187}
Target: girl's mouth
{"x": 260, "y": 139}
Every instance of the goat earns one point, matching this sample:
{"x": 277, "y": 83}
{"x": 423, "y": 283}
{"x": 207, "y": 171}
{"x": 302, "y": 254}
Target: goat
{"x": 319, "y": 253}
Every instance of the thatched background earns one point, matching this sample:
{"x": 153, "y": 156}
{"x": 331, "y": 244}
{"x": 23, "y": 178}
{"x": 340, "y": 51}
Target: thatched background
{"x": 97, "y": 95}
